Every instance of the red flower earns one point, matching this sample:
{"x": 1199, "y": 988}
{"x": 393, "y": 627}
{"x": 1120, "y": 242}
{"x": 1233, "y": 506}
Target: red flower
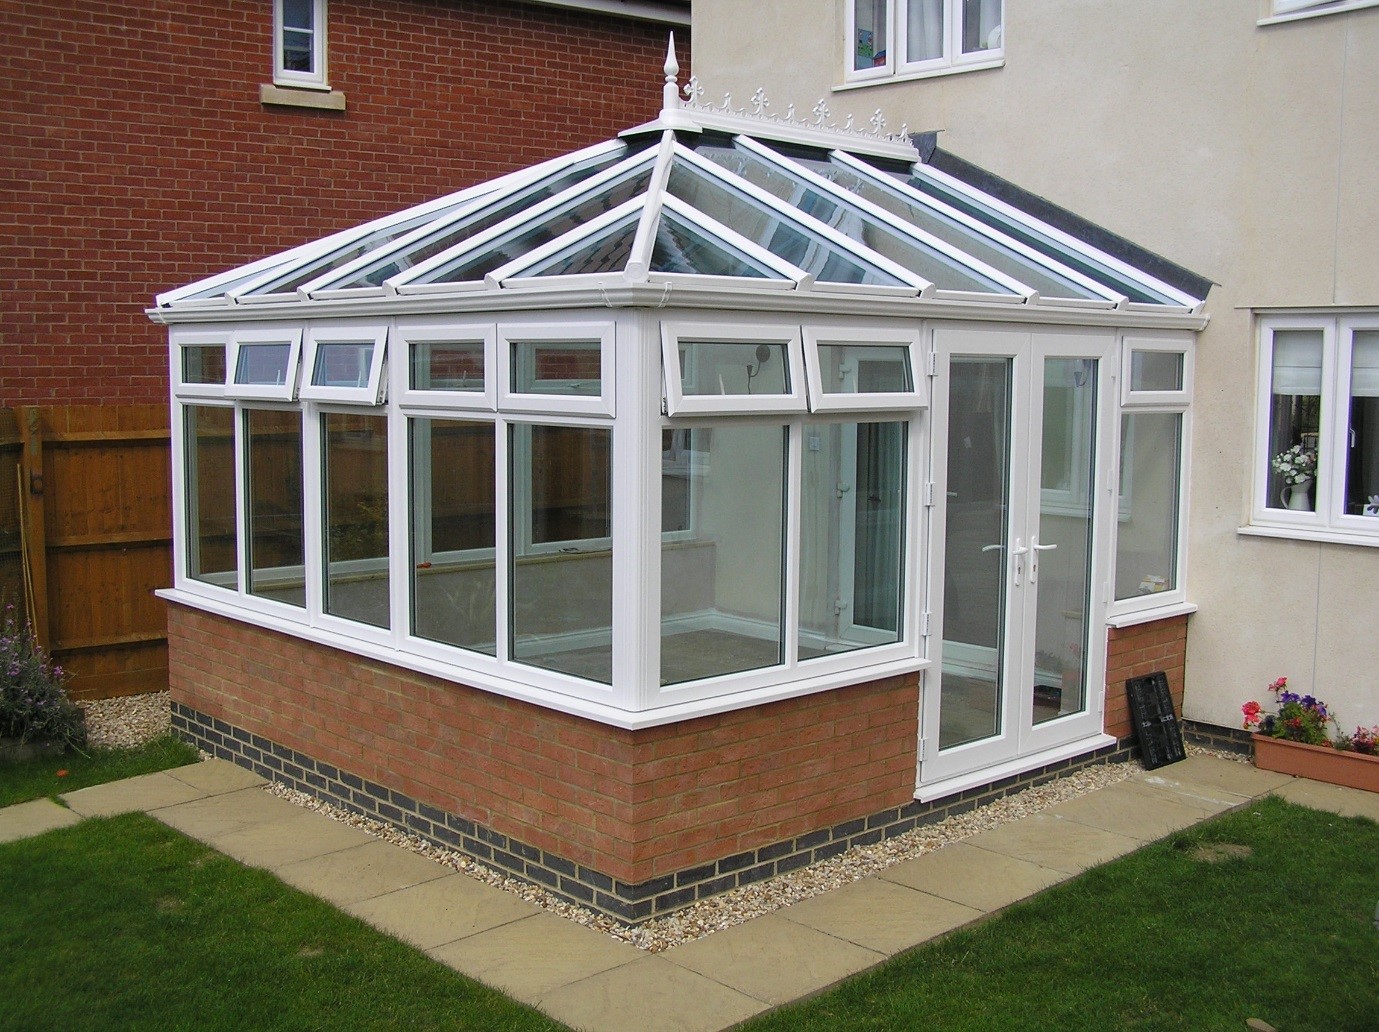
{"x": 1251, "y": 710}
{"x": 62, "y": 773}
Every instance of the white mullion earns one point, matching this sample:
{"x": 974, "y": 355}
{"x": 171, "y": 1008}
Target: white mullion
{"x": 400, "y": 518}
{"x": 792, "y": 507}
{"x": 241, "y": 449}
{"x": 505, "y": 547}
{"x": 313, "y": 514}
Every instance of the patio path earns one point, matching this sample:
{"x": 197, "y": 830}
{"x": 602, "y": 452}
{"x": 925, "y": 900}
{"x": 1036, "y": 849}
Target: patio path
{"x": 591, "y": 981}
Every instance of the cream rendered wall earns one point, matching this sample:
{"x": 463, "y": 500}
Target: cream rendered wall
{"x": 1249, "y": 154}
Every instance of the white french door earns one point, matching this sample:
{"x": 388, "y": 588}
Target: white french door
{"x": 1022, "y": 428}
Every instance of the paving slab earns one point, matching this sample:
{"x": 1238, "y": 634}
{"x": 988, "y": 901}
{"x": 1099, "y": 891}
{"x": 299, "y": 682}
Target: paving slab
{"x": 880, "y": 915}
{"x": 209, "y": 818}
{"x": 1213, "y": 783}
{"x": 1055, "y": 842}
{"x": 274, "y": 844}
{"x": 24, "y": 820}
{"x": 774, "y": 960}
{"x": 441, "y": 911}
{"x": 360, "y": 872}
{"x": 1132, "y": 808}
{"x": 534, "y": 956}
{"x": 977, "y": 878}
{"x": 1348, "y": 802}
{"x": 215, "y": 777}
{"x": 649, "y": 995}
{"x": 144, "y": 792}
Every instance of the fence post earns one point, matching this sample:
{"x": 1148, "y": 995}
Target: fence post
{"x": 32, "y": 524}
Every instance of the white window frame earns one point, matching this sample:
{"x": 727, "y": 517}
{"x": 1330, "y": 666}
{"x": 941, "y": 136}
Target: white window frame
{"x": 1296, "y": 10}
{"x": 407, "y": 333}
{"x": 952, "y": 59}
{"x": 879, "y": 339}
{"x": 1152, "y": 605}
{"x": 731, "y": 331}
{"x": 283, "y": 76}
{"x": 370, "y": 392}
{"x": 249, "y": 337}
{"x": 1328, "y": 520}
{"x": 184, "y": 338}
{"x": 569, "y": 332}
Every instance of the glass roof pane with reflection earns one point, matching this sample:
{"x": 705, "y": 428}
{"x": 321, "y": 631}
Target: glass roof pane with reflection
{"x": 522, "y": 240}
{"x": 940, "y": 269}
{"x": 390, "y": 265}
{"x": 796, "y": 243}
{"x": 682, "y": 248}
{"x": 606, "y": 252}
{"x": 1048, "y": 282}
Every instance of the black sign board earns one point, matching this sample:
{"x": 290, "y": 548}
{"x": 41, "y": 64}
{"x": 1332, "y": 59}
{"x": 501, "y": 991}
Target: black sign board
{"x": 1156, "y": 725}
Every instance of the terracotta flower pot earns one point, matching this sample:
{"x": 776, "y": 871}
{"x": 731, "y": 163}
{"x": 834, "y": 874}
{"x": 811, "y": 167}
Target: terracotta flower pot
{"x": 1318, "y": 762}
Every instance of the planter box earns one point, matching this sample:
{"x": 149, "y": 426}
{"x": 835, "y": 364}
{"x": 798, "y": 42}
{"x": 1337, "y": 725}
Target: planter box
{"x": 1317, "y": 762}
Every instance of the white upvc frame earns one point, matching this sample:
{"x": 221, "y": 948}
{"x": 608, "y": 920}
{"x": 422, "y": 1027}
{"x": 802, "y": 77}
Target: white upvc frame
{"x": 905, "y": 339}
{"x": 183, "y": 338}
{"x": 1328, "y": 520}
{"x": 408, "y": 332}
{"x": 245, "y": 338}
{"x": 322, "y": 335}
{"x": 315, "y": 79}
{"x": 729, "y": 330}
{"x": 556, "y": 331}
{"x": 1279, "y": 11}
{"x": 951, "y": 60}
{"x": 1173, "y": 399}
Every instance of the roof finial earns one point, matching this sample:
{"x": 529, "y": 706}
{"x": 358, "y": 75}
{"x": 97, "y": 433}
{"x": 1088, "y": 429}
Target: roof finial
{"x": 670, "y": 93}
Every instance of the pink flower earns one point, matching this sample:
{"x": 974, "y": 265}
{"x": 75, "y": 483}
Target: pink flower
{"x": 1251, "y": 710}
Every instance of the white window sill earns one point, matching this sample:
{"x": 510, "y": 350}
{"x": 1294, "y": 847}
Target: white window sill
{"x": 1319, "y": 534}
{"x": 932, "y": 73}
{"x": 282, "y": 96}
{"x": 1145, "y": 616}
{"x": 1320, "y": 12}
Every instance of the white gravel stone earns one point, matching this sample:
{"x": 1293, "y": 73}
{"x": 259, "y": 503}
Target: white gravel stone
{"x": 127, "y": 722}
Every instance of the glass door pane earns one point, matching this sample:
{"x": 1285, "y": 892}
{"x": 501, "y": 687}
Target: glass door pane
{"x": 1061, "y": 556}
{"x": 975, "y": 578}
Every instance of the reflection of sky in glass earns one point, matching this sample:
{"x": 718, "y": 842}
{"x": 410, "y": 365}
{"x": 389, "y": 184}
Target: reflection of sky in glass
{"x": 262, "y": 363}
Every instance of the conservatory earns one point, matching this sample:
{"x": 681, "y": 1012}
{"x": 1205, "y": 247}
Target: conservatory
{"x": 677, "y": 498}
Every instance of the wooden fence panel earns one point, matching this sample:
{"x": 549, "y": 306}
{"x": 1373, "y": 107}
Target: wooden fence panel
{"x": 99, "y": 477}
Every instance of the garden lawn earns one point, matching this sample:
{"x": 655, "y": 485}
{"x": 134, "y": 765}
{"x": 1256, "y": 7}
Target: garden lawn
{"x": 35, "y": 779}
{"x": 1268, "y": 912}
{"x": 126, "y": 924}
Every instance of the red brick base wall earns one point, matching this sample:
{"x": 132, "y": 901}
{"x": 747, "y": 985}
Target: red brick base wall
{"x": 1136, "y": 651}
{"x": 636, "y": 805}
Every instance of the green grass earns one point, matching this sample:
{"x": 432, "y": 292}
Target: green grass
{"x": 36, "y": 779}
{"x": 1268, "y": 913}
{"x": 126, "y": 924}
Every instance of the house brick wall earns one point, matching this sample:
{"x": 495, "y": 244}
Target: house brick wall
{"x": 634, "y": 805}
{"x": 141, "y": 158}
{"x": 1136, "y": 651}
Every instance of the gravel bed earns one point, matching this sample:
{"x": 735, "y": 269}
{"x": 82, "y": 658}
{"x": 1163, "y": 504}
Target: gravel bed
{"x": 127, "y": 722}
{"x": 133, "y": 720}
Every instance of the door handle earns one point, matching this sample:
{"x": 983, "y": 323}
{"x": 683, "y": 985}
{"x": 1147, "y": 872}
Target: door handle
{"x": 1036, "y": 548}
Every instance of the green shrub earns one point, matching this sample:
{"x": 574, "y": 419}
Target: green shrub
{"x": 34, "y": 704}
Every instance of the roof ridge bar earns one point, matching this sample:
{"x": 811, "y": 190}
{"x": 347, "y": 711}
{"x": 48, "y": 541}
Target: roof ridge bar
{"x": 639, "y": 263}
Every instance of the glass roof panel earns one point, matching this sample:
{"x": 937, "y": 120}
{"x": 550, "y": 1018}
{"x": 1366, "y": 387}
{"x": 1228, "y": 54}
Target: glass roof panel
{"x": 1029, "y": 235}
{"x": 796, "y": 243}
{"x": 951, "y": 231}
{"x": 492, "y": 213}
{"x": 944, "y": 271}
{"x": 682, "y": 248}
{"x": 605, "y": 252}
{"x": 475, "y": 265}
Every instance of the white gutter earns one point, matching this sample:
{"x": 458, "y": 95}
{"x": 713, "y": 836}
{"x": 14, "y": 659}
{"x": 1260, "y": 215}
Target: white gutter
{"x": 640, "y": 10}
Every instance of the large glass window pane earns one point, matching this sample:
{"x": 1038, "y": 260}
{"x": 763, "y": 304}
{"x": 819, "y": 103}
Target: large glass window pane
{"x": 1150, "y": 481}
{"x": 273, "y": 458}
{"x": 1362, "y": 459}
{"x": 212, "y": 542}
{"x": 721, "y": 584}
{"x": 1295, "y": 405}
{"x": 562, "y": 569}
{"x": 981, "y": 25}
{"x": 448, "y": 366}
{"x": 566, "y": 368}
{"x": 453, "y": 533}
{"x": 852, "y": 536}
{"x": 869, "y": 40}
{"x": 924, "y": 30}
{"x": 299, "y": 32}
{"x": 729, "y": 368}
{"x": 355, "y": 496}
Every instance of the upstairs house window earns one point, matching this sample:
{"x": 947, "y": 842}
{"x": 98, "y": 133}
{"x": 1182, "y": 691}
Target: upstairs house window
{"x": 299, "y": 43}
{"x": 1317, "y": 441}
{"x": 915, "y": 38}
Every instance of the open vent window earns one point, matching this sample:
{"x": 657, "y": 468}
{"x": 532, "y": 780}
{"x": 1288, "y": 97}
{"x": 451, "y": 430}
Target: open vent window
{"x": 344, "y": 363}
{"x": 264, "y": 362}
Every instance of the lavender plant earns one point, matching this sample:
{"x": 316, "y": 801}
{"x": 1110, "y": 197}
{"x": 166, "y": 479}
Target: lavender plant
{"x": 33, "y": 699}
